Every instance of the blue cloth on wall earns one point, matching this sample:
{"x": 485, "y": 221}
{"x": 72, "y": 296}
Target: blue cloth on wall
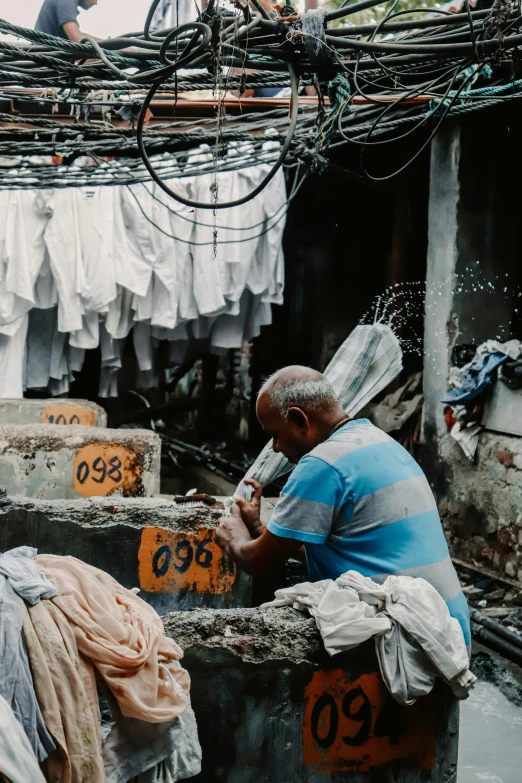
{"x": 474, "y": 378}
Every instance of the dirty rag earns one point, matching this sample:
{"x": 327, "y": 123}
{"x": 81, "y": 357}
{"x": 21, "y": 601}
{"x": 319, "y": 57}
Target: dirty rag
{"x": 138, "y": 752}
{"x": 20, "y": 579}
{"x": 368, "y": 360}
{"x": 416, "y": 639}
{"x": 17, "y": 760}
{"x": 123, "y": 637}
{"x": 398, "y": 407}
{"x": 472, "y": 379}
{"x": 19, "y": 567}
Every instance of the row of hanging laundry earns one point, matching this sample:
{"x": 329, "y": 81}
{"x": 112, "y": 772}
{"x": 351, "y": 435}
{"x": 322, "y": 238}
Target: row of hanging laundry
{"x": 81, "y": 267}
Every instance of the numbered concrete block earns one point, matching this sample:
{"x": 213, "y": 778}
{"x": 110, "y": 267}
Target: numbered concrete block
{"x": 166, "y": 550}
{"x": 67, "y": 461}
{"x": 57, "y": 411}
{"x": 272, "y": 707}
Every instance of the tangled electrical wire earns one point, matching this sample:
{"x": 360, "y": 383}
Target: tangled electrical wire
{"x": 385, "y": 82}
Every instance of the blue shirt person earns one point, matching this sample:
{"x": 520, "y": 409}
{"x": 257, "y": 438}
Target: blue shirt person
{"x": 356, "y": 500}
{"x": 59, "y": 18}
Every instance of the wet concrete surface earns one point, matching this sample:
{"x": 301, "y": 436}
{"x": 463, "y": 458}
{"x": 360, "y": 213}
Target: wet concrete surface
{"x": 490, "y": 740}
{"x": 490, "y": 745}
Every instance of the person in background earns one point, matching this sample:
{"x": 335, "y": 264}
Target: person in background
{"x": 59, "y": 18}
{"x": 356, "y": 500}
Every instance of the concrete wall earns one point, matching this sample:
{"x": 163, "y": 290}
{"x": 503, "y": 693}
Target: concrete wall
{"x": 167, "y": 551}
{"x": 472, "y": 237}
{"x": 67, "y": 461}
{"x": 273, "y": 708}
{"x": 54, "y": 411}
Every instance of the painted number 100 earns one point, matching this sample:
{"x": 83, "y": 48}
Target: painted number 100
{"x": 61, "y": 419}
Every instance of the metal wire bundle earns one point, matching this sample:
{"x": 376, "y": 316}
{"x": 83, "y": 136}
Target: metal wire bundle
{"x": 408, "y": 74}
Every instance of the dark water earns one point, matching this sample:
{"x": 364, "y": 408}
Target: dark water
{"x": 490, "y": 747}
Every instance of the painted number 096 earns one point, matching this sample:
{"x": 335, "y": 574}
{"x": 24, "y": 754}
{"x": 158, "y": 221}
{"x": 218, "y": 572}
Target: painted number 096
{"x": 356, "y": 707}
{"x": 184, "y": 555}
{"x": 100, "y": 471}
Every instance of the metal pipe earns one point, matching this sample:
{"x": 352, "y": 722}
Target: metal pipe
{"x": 496, "y": 628}
{"x": 497, "y": 644}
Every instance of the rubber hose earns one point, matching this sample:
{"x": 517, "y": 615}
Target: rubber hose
{"x": 237, "y": 202}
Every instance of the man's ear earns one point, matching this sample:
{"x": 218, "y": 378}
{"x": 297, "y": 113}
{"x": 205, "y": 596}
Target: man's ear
{"x": 298, "y": 418}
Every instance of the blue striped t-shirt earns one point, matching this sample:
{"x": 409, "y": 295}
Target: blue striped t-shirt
{"x": 360, "y": 501}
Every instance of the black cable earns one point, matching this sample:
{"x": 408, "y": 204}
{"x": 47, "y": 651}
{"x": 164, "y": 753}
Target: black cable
{"x": 236, "y": 202}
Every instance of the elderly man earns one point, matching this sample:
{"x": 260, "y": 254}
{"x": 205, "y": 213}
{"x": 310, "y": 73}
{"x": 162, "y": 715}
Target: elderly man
{"x": 58, "y": 17}
{"x": 356, "y": 498}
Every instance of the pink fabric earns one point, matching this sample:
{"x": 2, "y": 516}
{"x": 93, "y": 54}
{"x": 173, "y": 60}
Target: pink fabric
{"x": 123, "y": 637}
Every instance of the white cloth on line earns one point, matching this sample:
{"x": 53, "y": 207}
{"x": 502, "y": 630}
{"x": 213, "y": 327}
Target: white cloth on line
{"x": 95, "y": 253}
{"x": 416, "y": 639}
{"x": 12, "y": 360}
{"x": 65, "y": 257}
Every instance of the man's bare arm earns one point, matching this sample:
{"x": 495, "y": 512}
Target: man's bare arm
{"x": 73, "y": 32}
{"x": 255, "y": 556}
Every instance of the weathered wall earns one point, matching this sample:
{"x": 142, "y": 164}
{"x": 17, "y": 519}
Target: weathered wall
{"x": 167, "y": 551}
{"x": 472, "y": 242}
{"x": 67, "y": 461}
{"x": 272, "y": 707}
{"x": 53, "y": 411}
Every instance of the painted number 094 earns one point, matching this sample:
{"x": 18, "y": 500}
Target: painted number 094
{"x": 356, "y": 707}
{"x": 184, "y": 554}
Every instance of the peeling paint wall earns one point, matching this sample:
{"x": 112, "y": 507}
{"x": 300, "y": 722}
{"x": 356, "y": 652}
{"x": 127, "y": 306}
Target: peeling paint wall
{"x": 273, "y": 707}
{"x": 53, "y": 461}
{"x": 473, "y": 224}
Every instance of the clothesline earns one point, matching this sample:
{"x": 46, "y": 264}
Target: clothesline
{"x": 82, "y": 267}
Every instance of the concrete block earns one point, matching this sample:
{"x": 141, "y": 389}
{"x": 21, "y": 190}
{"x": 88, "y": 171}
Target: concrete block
{"x": 272, "y": 707}
{"x": 67, "y": 461}
{"x": 54, "y": 411}
{"x": 166, "y": 550}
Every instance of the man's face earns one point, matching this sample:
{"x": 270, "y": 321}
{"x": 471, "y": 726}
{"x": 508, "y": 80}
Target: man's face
{"x": 86, "y": 4}
{"x": 290, "y": 437}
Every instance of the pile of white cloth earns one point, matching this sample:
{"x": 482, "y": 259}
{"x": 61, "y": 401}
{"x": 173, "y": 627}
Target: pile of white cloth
{"x": 416, "y": 639}
{"x": 80, "y": 266}
{"x": 368, "y": 360}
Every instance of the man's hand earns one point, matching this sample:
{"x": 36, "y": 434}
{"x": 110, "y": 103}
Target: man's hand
{"x": 232, "y": 532}
{"x": 250, "y": 510}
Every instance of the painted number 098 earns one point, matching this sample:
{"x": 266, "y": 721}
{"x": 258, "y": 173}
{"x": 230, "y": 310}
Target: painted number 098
{"x": 101, "y": 470}
{"x": 184, "y": 554}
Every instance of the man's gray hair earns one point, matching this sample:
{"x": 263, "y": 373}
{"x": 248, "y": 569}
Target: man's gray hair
{"x": 309, "y": 394}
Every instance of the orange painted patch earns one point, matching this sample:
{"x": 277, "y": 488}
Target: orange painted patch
{"x": 67, "y": 414}
{"x": 101, "y": 469}
{"x": 171, "y": 561}
{"x": 357, "y": 725}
